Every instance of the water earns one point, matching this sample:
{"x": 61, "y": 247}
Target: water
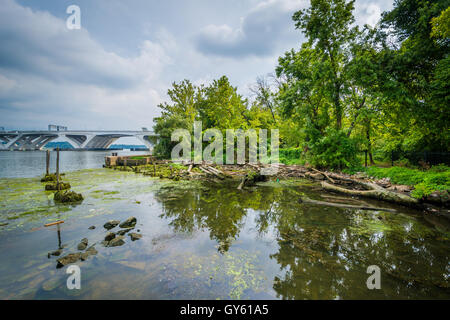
{"x": 19, "y": 164}
{"x": 208, "y": 241}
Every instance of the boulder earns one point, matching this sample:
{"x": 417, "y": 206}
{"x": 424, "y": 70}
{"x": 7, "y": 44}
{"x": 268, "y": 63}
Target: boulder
{"x": 111, "y": 224}
{"x": 83, "y": 244}
{"x": 130, "y": 222}
{"x": 109, "y": 236}
{"x": 124, "y": 231}
{"x": 67, "y": 196}
{"x": 117, "y": 241}
{"x": 91, "y": 228}
{"x": 91, "y": 251}
{"x": 135, "y": 236}
{"x": 70, "y": 258}
{"x": 55, "y": 253}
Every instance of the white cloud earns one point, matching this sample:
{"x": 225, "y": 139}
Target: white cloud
{"x": 67, "y": 76}
{"x": 261, "y": 32}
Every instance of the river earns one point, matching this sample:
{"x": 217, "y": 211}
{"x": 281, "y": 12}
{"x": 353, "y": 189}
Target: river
{"x": 24, "y": 164}
{"x": 207, "y": 241}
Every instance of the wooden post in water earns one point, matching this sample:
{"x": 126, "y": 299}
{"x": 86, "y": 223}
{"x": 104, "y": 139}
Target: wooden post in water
{"x": 47, "y": 166}
{"x": 57, "y": 168}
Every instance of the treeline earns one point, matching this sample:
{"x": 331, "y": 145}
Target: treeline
{"x": 347, "y": 91}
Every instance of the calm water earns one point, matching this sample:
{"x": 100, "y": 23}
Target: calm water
{"x": 19, "y": 164}
{"x": 204, "y": 241}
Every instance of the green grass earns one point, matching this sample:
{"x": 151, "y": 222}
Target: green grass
{"x": 424, "y": 182}
{"x": 138, "y": 157}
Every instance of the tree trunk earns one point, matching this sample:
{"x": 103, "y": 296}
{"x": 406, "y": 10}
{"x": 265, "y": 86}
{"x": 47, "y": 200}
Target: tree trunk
{"x": 375, "y": 192}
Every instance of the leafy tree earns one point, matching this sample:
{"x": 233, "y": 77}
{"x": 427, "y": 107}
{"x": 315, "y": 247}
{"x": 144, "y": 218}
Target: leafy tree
{"x": 327, "y": 26}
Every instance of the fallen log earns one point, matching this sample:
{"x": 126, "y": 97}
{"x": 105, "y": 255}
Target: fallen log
{"x": 325, "y": 175}
{"x": 342, "y": 205}
{"x": 210, "y": 172}
{"x": 375, "y": 192}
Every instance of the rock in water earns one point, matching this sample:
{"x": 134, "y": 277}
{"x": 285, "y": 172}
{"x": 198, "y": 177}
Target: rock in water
{"x": 56, "y": 253}
{"x": 83, "y": 244}
{"x": 110, "y": 236}
{"x": 67, "y": 196}
{"x": 111, "y": 224}
{"x": 135, "y": 236}
{"x": 130, "y": 222}
{"x": 91, "y": 227}
{"x": 70, "y": 258}
{"x": 92, "y": 251}
{"x": 117, "y": 241}
{"x": 124, "y": 231}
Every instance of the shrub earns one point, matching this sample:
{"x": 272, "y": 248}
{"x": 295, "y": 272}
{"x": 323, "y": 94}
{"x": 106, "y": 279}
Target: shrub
{"x": 334, "y": 150}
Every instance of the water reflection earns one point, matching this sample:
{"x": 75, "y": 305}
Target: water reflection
{"x": 322, "y": 252}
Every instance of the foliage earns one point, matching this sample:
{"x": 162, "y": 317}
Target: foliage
{"x": 424, "y": 182}
{"x": 345, "y": 91}
{"x": 334, "y": 150}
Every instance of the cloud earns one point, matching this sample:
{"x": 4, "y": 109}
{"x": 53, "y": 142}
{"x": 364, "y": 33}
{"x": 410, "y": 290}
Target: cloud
{"x": 267, "y": 27}
{"x": 369, "y": 12}
{"x": 51, "y": 74}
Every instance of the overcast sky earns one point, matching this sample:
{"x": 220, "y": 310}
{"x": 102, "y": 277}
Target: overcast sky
{"x": 113, "y": 72}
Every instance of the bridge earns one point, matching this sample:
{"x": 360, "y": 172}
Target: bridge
{"x": 85, "y": 140}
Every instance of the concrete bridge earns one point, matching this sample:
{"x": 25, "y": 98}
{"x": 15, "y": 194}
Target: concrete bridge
{"x": 36, "y": 140}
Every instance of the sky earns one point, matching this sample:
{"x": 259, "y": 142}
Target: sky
{"x": 113, "y": 72}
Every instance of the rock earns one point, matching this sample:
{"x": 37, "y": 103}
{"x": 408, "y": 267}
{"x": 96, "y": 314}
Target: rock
{"x": 109, "y": 236}
{"x": 84, "y": 256}
{"x": 56, "y": 253}
{"x": 111, "y": 224}
{"x": 3, "y": 224}
{"x": 83, "y": 244}
{"x": 124, "y": 231}
{"x": 135, "y": 236}
{"x": 91, "y": 251}
{"x": 70, "y": 258}
{"x": 54, "y": 186}
{"x": 49, "y": 178}
{"x": 91, "y": 227}
{"x": 67, "y": 196}
{"x": 117, "y": 241}
{"x": 130, "y": 222}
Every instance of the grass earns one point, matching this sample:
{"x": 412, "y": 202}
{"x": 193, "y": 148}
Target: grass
{"x": 424, "y": 182}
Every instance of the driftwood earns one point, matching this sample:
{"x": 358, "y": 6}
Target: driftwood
{"x": 341, "y": 205}
{"x": 208, "y": 170}
{"x": 241, "y": 185}
{"x": 373, "y": 191}
{"x": 325, "y": 175}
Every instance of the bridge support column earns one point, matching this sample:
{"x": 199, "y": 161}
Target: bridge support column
{"x": 144, "y": 139}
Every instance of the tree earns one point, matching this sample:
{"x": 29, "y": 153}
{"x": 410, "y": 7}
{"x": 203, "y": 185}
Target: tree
{"x": 415, "y": 70}
{"x": 327, "y": 26}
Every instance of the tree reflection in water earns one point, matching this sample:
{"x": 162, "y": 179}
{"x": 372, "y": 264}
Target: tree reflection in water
{"x": 322, "y": 252}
